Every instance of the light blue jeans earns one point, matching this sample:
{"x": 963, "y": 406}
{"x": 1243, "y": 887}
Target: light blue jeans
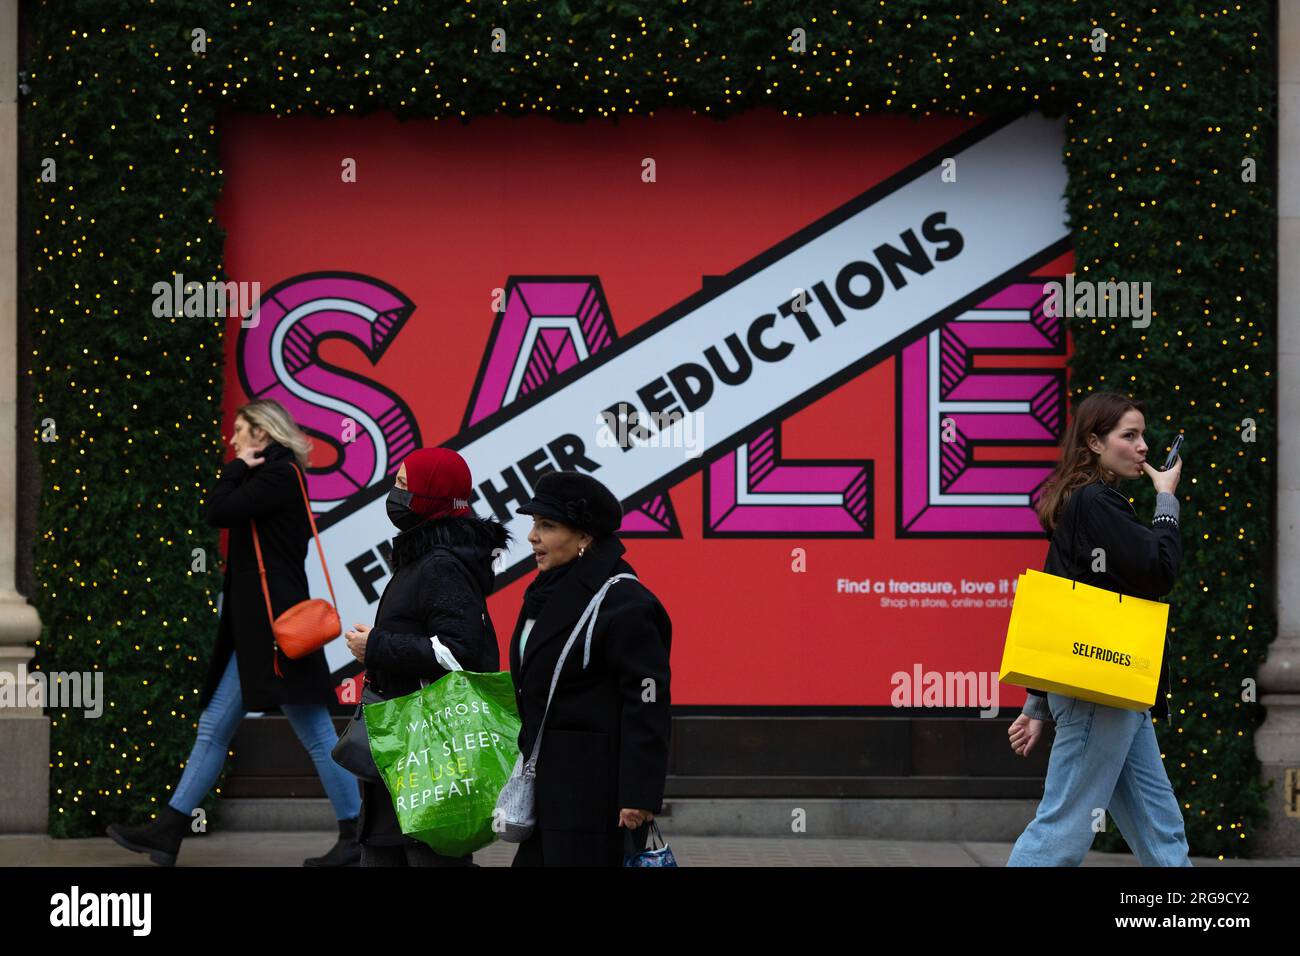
{"x": 217, "y": 725}
{"x": 1103, "y": 758}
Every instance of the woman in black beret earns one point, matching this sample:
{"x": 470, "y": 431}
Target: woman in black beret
{"x": 604, "y": 750}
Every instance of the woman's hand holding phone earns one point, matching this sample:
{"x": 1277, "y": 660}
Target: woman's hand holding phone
{"x": 1166, "y": 481}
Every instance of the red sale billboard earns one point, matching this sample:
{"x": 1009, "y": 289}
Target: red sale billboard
{"x": 810, "y": 357}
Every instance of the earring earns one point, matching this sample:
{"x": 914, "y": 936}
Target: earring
{"x": 582, "y": 549}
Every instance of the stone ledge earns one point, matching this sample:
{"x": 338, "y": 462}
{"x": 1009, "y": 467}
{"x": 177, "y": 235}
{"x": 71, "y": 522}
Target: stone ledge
{"x": 944, "y": 819}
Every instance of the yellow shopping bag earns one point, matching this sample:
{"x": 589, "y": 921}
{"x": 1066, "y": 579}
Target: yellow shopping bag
{"x": 1085, "y": 642}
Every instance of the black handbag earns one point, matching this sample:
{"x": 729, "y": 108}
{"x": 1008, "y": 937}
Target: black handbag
{"x": 352, "y": 752}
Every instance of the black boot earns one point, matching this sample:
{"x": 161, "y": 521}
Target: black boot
{"x": 160, "y": 839}
{"x": 346, "y": 852}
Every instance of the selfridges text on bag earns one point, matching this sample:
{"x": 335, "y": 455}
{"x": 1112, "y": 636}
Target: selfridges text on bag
{"x": 516, "y": 809}
{"x": 1084, "y": 642}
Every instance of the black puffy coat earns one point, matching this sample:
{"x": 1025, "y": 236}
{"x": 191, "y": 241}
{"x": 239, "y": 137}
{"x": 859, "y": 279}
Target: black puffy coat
{"x": 605, "y": 744}
{"x": 441, "y": 578}
{"x": 1141, "y": 560}
{"x": 270, "y": 495}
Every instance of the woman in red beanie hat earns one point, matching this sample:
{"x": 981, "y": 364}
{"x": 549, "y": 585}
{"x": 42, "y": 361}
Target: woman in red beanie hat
{"x": 442, "y": 575}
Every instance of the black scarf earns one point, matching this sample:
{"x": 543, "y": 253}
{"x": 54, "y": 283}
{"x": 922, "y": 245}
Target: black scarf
{"x": 543, "y": 586}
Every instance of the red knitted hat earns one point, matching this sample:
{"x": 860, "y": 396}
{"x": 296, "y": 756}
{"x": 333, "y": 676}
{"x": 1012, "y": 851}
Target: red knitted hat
{"x": 439, "y": 482}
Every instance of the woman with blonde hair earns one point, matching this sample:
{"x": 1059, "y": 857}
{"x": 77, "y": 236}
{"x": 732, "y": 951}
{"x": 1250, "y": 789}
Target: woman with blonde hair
{"x": 258, "y": 487}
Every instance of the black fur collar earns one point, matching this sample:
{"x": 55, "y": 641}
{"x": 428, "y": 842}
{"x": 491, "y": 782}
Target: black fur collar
{"x": 467, "y": 536}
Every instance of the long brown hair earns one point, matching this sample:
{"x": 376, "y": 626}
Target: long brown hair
{"x": 1098, "y": 414}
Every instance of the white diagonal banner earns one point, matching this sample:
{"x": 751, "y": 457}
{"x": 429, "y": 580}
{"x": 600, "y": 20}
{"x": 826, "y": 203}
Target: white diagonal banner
{"x": 874, "y": 274}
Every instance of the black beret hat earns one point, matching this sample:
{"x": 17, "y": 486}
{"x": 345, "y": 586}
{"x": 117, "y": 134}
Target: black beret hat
{"x": 577, "y": 500}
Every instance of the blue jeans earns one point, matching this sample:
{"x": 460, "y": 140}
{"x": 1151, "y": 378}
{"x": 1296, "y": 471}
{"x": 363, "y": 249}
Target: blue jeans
{"x": 217, "y": 724}
{"x": 1103, "y": 758}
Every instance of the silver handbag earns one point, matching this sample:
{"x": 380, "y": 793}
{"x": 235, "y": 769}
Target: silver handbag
{"x": 516, "y": 810}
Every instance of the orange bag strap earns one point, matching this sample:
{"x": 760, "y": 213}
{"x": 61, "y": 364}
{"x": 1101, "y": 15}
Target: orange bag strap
{"x": 261, "y": 570}
{"x": 266, "y": 593}
{"x": 319, "y": 549}
{"x": 261, "y": 566}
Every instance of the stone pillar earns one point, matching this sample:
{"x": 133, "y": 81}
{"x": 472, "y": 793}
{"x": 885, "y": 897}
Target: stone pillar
{"x": 1277, "y": 742}
{"x": 24, "y": 733}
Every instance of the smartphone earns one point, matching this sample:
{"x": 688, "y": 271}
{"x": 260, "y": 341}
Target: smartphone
{"x": 1173, "y": 453}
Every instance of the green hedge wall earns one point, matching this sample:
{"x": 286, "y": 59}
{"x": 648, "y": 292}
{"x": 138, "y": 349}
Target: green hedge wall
{"x": 1159, "y": 125}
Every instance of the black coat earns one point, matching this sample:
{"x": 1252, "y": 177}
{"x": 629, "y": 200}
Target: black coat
{"x": 1141, "y": 560}
{"x": 270, "y": 495}
{"x": 605, "y": 745}
{"x": 442, "y": 576}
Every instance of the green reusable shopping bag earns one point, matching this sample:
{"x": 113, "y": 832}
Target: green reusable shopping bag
{"x": 444, "y": 753}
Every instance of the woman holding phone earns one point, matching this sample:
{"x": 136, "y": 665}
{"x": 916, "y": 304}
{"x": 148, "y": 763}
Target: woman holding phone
{"x": 1104, "y": 757}
{"x": 248, "y": 671}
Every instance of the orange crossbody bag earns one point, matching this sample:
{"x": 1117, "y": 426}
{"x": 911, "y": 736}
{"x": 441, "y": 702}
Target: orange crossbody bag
{"x": 311, "y": 624}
